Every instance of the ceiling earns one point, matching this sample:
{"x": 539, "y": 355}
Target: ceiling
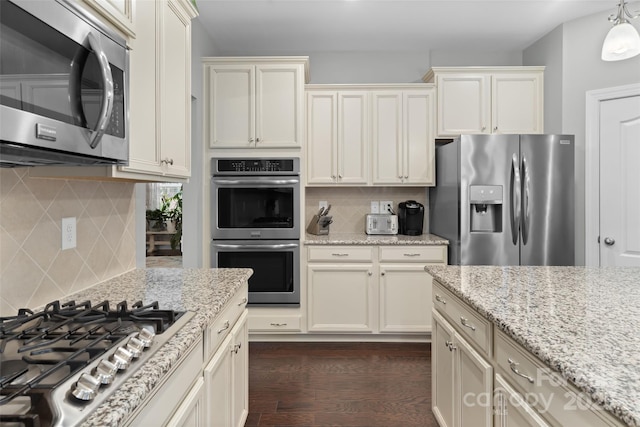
{"x": 302, "y": 27}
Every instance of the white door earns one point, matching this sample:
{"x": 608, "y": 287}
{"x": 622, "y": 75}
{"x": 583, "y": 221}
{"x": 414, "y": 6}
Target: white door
{"x": 619, "y": 178}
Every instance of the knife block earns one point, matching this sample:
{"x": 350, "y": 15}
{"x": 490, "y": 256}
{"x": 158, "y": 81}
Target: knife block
{"x": 319, "y": 226}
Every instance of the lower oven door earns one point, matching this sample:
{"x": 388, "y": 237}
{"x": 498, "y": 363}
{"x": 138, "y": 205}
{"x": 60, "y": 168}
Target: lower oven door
{"x": 275, "y": 264}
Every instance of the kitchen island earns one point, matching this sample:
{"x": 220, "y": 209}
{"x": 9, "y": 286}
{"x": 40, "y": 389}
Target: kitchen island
{"x": 365, "y": 239}
{"x": 580, "y": 323}
{"x": 204, "y": 291}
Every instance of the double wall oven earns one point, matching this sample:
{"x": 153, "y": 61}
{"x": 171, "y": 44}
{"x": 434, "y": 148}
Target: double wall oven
{"x": 255, "y": 223}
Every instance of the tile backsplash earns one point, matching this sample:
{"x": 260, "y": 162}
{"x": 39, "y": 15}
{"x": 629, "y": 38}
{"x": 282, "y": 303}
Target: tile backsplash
{"x": 349, "y": 205}
{"x": 33, "y": 268}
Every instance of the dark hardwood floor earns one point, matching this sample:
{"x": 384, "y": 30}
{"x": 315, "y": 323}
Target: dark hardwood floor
{"x": 340, "y": 384}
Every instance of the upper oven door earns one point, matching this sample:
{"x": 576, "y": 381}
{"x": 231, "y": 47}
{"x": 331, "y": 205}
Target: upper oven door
{"x": 254, "y": 207}
{"x": 63, "y": 80}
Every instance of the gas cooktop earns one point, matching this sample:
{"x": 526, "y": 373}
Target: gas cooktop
{"x": 59, "y": 364}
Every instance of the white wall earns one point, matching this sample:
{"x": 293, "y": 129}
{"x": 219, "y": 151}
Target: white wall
{"x": 582, "y": 70}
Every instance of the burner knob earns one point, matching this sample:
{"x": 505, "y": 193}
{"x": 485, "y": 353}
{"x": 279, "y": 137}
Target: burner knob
{"x": 105, "y": 371}
{"x": 135, "y": 347}
{"x": 86, "y": 387}
{"x": 146, "y": 336}
{"x": 121, "y": 358}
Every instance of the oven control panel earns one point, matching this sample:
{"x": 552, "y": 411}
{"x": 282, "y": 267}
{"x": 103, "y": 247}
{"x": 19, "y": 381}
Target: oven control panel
{"x": 256, "y": 166}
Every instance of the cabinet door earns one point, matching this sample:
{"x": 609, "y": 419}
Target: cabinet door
{"x": 175, "y": 90}
{"x": 353, "y": 138}
{"x": 517, "y": 103}
{"x": 511, "y": 409}
{"x": 279, "y": 105}
{"x": 218, "y": 386}
{"x": 418, "y": 137}
{"x": 191, "y": 412}
{"x": 118, "y": 12}
{"x": 474, "y": 378}
{"x": 322, "y": 134}
{"x": 387, "y": 137}
{"x": 240, "y": 369}
{"x": 442, "y": 372}
{"x": 405, "y": 298}
{"x": 340, "y": 297}
{"x": 464, "y": 104}
{"x": 232, "y": 106}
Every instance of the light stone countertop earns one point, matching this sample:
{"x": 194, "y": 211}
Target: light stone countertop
{"x": 365, "y": 239}
{"x": 204, "y": 291}
{"x": 581, "y": 322}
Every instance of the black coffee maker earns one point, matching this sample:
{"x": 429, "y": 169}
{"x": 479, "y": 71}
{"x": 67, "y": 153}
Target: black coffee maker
{"x": 410, "y": 218}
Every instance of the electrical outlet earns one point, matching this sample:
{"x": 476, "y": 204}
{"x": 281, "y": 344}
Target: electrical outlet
{"x": 323, "y": 204}
{"x": 375, "y": 207}
{"x": 386, "y": 206}
{"x": 68, "y": 233}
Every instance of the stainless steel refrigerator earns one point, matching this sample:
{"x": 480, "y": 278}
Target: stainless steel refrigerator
{"x": 505, "y": 199}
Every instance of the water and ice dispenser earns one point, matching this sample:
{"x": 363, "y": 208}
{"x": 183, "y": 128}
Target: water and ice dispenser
{"x": 485, "y": 208}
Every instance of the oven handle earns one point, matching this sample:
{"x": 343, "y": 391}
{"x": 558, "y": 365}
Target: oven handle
{"x": 256, "y": 181}
{"x": 249, "y": 246}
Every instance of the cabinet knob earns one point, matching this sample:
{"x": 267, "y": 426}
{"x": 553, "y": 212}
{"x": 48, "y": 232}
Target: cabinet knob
{"x": 495, "y": 129}
{"x": 250, "y": 141}
{"x": 406, "y": 177}
{"x": 483, "y": 128}
{"x": 382, "y": 273}
{"x": 257, "y": 140}
{"x": 370, "y": 273}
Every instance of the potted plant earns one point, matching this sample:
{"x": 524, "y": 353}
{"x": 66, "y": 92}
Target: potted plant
{"x": 172, "y": 208}
{"x": 156, "y": 220}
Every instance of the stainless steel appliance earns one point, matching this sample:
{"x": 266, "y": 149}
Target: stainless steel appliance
{"x": 505, "y": 199}
{"x": 59, "y": 364}
{"x": 411, "y": 217}
{"x": 381, "y": 224}
{"x": 255, "y": 223}
{"x": 63, "y": 86}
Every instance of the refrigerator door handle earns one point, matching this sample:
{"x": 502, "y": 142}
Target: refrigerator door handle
{"x": 526, "y": 211}
{"x": 515, "y": 189}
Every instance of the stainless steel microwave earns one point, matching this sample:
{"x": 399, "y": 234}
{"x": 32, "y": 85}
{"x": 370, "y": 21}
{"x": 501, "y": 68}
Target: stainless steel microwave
{"x": 63, "y": 86}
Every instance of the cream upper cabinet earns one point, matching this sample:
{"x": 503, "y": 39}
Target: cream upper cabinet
{"x": 337, "y": 137}
{"x": 120, "y": 13}
{"x": 255, "y": 102}
{"x": 403, "y": 137}
{"x": 477, "y": 100}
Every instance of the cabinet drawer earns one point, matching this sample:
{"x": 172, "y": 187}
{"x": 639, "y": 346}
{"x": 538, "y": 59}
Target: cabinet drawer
{"x": 265, "y": 323}
{"x": 430, "y": 254}
{"x": 466, "y": 320}
{"x": 225, "y": 320}
{"x": 341, "y": 253}
{"x": 560, "y": 403}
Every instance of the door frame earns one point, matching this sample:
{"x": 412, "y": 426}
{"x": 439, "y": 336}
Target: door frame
{"x": 592, "y": 165}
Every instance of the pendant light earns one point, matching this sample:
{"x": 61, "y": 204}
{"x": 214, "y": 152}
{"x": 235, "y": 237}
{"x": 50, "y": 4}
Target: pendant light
{"x": 622, "y": 41}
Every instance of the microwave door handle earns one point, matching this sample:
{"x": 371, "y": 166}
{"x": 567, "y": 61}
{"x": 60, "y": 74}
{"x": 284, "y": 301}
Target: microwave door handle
{"x": 249, "y": 246}
{"x": 76, "y": 93}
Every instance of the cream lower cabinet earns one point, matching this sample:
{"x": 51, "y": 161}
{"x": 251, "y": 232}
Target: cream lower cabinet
{"x": 191, "y": 412}
{"x": 403, "y": 137}
{"x": 337, "y": 136}
{"x": 511, "y": 410}
{"x": 370, "y": 289}
{"x": 462, "y": 380}
{"x": 486, "y": 100}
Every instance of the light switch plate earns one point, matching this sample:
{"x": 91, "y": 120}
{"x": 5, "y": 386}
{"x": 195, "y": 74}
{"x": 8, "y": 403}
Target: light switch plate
{"x": 375, "y": 207}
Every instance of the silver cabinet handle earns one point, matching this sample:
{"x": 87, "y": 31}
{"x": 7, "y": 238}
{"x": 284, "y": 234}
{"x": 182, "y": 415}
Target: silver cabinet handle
{"x": 450, "y": 346}
{"x": 495, "y": 129}
{"x": 339, "y": 254}
{"x": 224, "y": 327}
{"x": 609, "y": 241}
{"x": 167, "y": 161}
{"x": 514, "y": 368}
{"x": 465, "y": 323}
{"x": 411, "y": 255}
{"x": 236, "y": 348}
{"x": 278, "y": 324}
{"x": 483, "y": 128}
{"x": 250, "y": 140}
{"x": 257, "y": 140}
{"x": 440, "y": 299}
{"x": 243, "y": 302}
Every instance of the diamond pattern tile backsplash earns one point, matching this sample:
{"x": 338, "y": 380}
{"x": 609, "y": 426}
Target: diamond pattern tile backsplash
{"x": 33, "y": 268}
{"x": 349, "y": 205}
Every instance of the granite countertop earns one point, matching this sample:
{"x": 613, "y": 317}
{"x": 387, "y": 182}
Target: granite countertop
{"x": 365, "y": 239}
{"x": 204, "y": 291}
{"x": 582, "y": 322}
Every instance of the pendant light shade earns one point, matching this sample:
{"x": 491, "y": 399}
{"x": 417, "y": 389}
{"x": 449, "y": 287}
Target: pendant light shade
{"x": 622, "y": 41}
